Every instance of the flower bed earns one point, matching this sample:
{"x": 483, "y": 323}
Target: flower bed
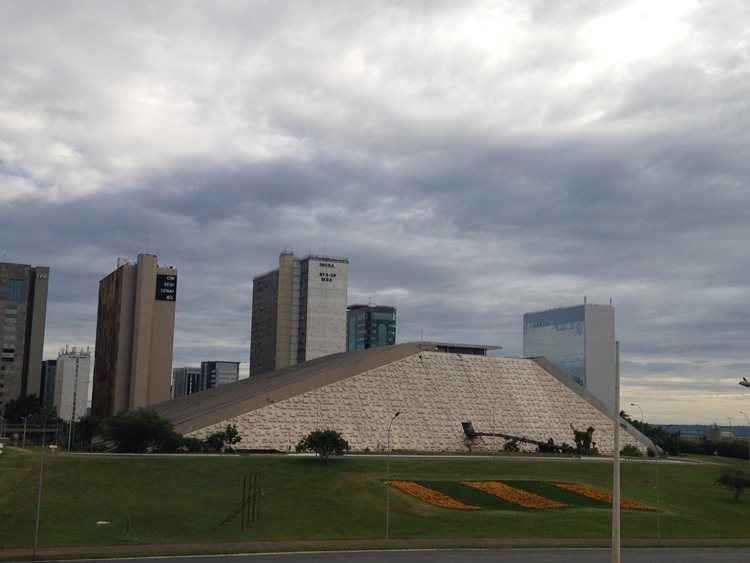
{"x": 515, "y": 496}
{"x": 429, "y": 496}
{"x": 604, "y": 496}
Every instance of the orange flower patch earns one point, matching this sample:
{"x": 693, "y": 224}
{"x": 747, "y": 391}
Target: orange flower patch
{"x": 429, "y": 496}
{"x": 516, "y": 496}
{"x": 604, "y": 496}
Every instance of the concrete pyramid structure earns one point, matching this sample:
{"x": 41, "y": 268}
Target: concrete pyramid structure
{"x": 357, "y": 393}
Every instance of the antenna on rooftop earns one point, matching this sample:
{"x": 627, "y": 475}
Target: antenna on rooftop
{"x": 610, "y": 301}
{"x": 584, "y": 299}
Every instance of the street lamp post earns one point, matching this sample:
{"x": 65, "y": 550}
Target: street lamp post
{"x": 640, "y": 409}
{"x": 747, "y": 419}
{"x": 387, "y": 475}
{"x": 616, "y": 464}
{"x": 656, "y": 461}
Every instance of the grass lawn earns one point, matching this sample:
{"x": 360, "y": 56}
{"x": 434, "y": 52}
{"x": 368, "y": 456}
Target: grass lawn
{"x": 186, "y": 499}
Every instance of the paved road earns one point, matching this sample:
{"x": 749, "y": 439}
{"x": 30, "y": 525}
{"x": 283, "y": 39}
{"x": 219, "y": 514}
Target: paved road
{"x": 697, "y": 555}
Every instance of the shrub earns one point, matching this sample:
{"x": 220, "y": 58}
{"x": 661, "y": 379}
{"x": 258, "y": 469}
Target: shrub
{"x": 325, "y": 443}
{"x": 629, "y": 450}
{"x": 190, "y": 444}
{"x": 734, "y": 480}
{"x": 170, "y": 443}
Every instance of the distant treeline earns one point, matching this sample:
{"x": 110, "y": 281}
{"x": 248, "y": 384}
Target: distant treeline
{"x": 709, "y": 442}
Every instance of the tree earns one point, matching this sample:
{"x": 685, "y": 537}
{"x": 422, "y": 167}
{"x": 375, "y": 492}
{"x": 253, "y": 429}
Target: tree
{"x": 138, "y": 431}
{"x": 734, "y": 480}
{"x": 232, "y": 435}
{"x": 669, "y": 442}
{"x": 86, "y": 428}
{"x": 325, "y": 443}
{"x": 32, "y": 407}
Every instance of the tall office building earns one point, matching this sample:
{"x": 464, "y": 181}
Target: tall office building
{"x": 72, "y": 383}
{"x": 49, "y": 373}
{"x": 299, "y": 312}
{"x": 580, "y": 341}
{"x": 134, "y": 336}
{"x": 211, "y": 374}
{"x": 370, "y": 326}
{"x": 23, "y": 315}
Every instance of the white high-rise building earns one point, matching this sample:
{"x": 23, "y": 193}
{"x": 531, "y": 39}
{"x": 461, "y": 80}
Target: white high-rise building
{"x": 578, "y": 340}
{"x": 299, "y": 312}
{"x": 72, "y": 382}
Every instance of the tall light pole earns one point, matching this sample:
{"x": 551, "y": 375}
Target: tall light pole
{"x": 640, "y": 409}
{"x": 72, "y": 422}
{"x": 616, "y": 464}
{"x": 387, "y": 476}
{"x": 747, "y": 419}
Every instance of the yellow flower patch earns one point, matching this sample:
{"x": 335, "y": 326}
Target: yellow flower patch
{"x": 604, "y": 496}
{"x": 515, "y": 496}
{"x": 429, "y": 496}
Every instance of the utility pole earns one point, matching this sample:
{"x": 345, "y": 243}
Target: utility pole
{"x": 616, "y": 464}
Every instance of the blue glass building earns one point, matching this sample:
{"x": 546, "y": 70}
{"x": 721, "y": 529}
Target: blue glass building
{"x": 370, "y": 326}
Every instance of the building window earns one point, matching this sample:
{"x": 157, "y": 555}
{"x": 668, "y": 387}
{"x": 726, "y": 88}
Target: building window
{"x": 16, "y": 291}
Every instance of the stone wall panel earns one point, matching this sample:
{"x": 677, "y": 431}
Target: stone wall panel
{"x": 434, "y": 392}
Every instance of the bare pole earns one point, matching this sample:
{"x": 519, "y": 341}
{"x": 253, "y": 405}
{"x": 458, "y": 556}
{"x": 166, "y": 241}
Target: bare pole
{"x": 656, "y": 461}
{"x": 242, "y": 503}
{"x": 747, "y": 419}
{"x": 616, "y": 464}
{"x": 38, "y": 505}
{"x": 387, "y": 475}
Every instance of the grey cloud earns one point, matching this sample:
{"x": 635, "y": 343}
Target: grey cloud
{"x": 465, "y": 172}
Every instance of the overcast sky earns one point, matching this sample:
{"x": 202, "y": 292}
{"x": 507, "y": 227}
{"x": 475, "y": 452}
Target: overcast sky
{"x": 474, "y": 160}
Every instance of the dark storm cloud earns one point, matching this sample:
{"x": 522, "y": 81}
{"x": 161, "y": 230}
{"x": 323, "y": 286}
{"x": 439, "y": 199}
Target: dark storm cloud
{"x": 475, "y": 161}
